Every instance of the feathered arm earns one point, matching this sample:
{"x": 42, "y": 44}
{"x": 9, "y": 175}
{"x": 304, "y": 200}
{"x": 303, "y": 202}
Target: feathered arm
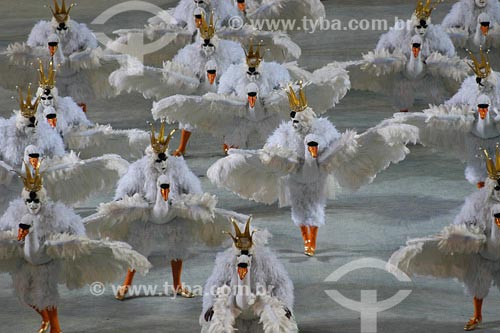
{"x": 440, "y": 127}
{"x": 72, "y": 180}
{"x": 84, "y": 261}
{"x": 251, "y": 174}
{"x": 354, "y": 160}
{"x": 103, "y": 139}
{"x": 324, "y": 87}
{"x": 113, "y": 219}
{"x": 453, "y": 68}
{"x": 211, "y": 112}
{"x": 11, "y": 251}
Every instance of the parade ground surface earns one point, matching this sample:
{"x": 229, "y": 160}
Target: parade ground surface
{"x": 414, "y": 198}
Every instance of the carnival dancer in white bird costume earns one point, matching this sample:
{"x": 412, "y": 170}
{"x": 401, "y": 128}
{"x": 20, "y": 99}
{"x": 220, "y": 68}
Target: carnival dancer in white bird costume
{"x": 249, "y": 290}
{"x": 23, "y": 129}
{"x": 161, "y": 210}
{"x": 473, "y": 24}
{"x": 282, "y": 9}
{"x": 175, "y": 28}
{"x": 468, "y": 249}
{"x": 196, "y": 69}
{"x": 43, "y": 243}
{"x": 304, "y": 158}
{"x": 71, "y": 45}
{"x": 250, "y": 98}
{"x": 485, "y": 81}
{"x": 78, "y": 132}
{"x": 411, "y": 63}
{"x": 462, "y": 130}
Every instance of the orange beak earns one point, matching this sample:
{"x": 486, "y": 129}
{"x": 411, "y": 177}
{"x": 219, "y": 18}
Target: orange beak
{"x": 211, "y": 75}
{"x": 52, "y": 50}
{"x": 312, "y": 147}
{"x": 242, "y": 6}
{"x": 52, "y": 122}
{"x": 416, "y": 51}
{"x": 164, "y": 193}
{"x": 482, "y": 112}
{"x": 83, "y": 106}
{"x": 485, "y": 29}
{"x": 497, "y": 221}
{"x": 197, "y": 21}
{"x": 242, "y": 272}
{"x": 22, "y": 233}
{"x": 34, "y": 162}
{"x": 252, "y": 99}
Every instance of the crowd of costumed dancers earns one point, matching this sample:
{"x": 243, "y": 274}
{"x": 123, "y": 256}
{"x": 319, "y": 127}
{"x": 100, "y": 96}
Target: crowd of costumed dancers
{"x": 245, "y": 88}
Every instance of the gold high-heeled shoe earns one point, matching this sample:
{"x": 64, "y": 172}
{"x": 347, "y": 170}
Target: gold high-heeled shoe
{"x": 44, "y": 327}
{"x": 472, "y": 324}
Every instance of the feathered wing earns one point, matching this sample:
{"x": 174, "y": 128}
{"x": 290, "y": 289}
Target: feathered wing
{"x": 211, "y": 112}
{"x": 84, "y": 261}
{"x": 152, "y": 82}
{"x": 441, "y": 127}
{"x": 11, "y": 251}
{"x": 355, "y": 160}
{"x": 70, "y": 179}
{"x": 280, "y": 46}
{"x": 18, "y": 66}
{"x": 451, "y": 68}
{"x": 376, "y": 70}
{"x": 446, "y": 255}
{"x": 273, "y": 316}
{"x": 252, "y": 174}
{"x": 6, "y": 173}
{"x": 113, "y": 219}
{"x": 103, "y": 139}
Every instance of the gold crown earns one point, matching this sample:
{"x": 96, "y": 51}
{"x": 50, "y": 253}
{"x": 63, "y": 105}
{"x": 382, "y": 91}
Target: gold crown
{"x": 254, "y": 58}
{"x": 493, "y": 168}
{"x": 297, "y": 103}
{"x": 61, "y": 14}
{"x": 32, "y": 183}
{"x": 47, "y": 82}
{"x": 207, "y": 31}
{"x": 160, "y": 143}
{"x": 481, "y": 69}
{"x": 242, "y": 240}
{"x": 423, "y": 12}
{"x": 28, "y": 109}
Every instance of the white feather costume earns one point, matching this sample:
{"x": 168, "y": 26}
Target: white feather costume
{"x": 16, "y": 134}
{"x": 260, "y": 302}
{"x": 83, "y": 66}
{"x": 177, "y": 26}
{"x": 470, "y": 90}
{"x": 460, "y": 130}
{"x": 286, "y": 171}
{"x": 405, "y": 66}
{"x": 228, "y": 114}
{"x": 56, "y": 250}
{"x": 463, "y": 24}
{"x": 467, "y": 250}
{"x": 186, "y": 73}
